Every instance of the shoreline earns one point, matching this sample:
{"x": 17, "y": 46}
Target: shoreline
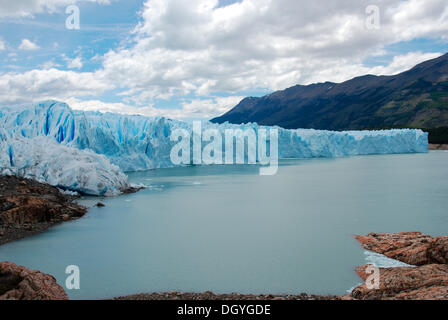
{"x": 426, "y": 277}
{"x": 210, "y": 296}
{"x": 433, "y": 147}
{"x": 28, "y": 207}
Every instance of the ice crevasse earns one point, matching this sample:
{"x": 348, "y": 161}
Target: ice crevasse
{"x": 88, "y": 152}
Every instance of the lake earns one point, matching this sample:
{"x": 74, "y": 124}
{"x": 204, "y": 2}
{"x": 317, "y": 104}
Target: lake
{"x": 228, "y": 229}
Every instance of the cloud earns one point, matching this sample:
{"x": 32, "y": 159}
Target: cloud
{"x": 49, "y": 65}
{"x": 340, "y": 73}
{"x": 75, "y": 63}
{"x": 36, "y": 85}
{"x": 28, "y": 45}
{"x": 26, "y": 8}
{"x": 2, "y": 45}
{"x": 198, "y": 49}
{"x": 404, "y": 62}
{"x": 98, "y": 105}
{"x": 194, "y": 109}
{"x": 195, "y": 47}
{"x": 208, "y": 108}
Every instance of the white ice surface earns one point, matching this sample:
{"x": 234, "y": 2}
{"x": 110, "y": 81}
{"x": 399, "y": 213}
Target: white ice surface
{"x": 80, "y": 151}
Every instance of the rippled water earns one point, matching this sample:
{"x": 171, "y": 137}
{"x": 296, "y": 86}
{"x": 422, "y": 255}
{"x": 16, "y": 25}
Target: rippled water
{"x": 227, "y": 229}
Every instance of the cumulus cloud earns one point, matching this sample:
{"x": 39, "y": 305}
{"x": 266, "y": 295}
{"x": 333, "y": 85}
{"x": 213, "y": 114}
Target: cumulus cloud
{"x": 75, "y": 63}
{"x": 404, "y": 62}
{"x": 25, "y": 8}
{"x": 338, "y": 73}
{"x": 207, "y": 108}
{"x": 98, "y": 105}
{"x": 194, "y": 109}
{"x": 28, "y": 45}
{"x": 49, "y": 65}
{"x": 197, "y": 48}
{"x": 37, "y": 85}
{"x": 185, "y": 46}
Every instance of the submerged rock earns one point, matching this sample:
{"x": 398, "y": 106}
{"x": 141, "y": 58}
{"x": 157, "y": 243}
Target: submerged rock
{"x": 20, "y": 283}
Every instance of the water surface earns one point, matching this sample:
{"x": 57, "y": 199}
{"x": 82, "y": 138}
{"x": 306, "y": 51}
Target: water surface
{"x": 227, "y": 229}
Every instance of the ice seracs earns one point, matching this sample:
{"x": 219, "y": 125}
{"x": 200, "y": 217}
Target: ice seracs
{"x": 71, "y": 169}
{"x": 89, "y": 151}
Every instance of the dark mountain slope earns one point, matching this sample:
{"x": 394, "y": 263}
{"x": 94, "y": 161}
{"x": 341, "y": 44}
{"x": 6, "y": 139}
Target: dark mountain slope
{"x": 415, "y": 98}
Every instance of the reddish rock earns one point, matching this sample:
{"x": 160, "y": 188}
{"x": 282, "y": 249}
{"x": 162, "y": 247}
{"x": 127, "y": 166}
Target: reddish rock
{"x": 210, "y": 296}
{"x": 412, "y": 248}
{"x": 428, "y": 282}
{"x": 20, "y": 283}
{"x": 438, "y": 250}
{"x": 438, "y": 146}
{"x": 28, "y": 207}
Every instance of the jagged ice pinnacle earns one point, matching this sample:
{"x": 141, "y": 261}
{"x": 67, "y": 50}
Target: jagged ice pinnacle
{"x": 89, "y": 151}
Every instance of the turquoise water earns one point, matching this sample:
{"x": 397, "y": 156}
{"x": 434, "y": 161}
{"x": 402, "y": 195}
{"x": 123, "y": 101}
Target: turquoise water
{"x": 227, "y": 229}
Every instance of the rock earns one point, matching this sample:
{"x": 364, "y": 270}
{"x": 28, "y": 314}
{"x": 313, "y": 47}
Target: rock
{"x": 438, "y": 250}
{"x": 428, "y": 282}
{"x": 412, "y": 248}
{"x": 28, "y": 207}
{"x": 100, "y": 205}
{"x": 131, "y": 190}
{"x": 438, "y": 146}
{"x": 210, "y": 296}
{"x": 20, "y": 283}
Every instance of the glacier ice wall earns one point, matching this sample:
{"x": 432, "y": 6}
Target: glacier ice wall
{"x": 72, "y": 169}
{"x": 80, "y": 150}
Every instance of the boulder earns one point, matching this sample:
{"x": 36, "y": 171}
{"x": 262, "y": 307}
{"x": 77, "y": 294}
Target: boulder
{"x": 20, "y": 283}
{"x": 28, "y": 207}
{"x": 413, "y": 248}
{"x": 428, "y": 282}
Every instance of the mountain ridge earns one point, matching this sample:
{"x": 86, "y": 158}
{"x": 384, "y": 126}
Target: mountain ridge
{"x": 416, "y": 98}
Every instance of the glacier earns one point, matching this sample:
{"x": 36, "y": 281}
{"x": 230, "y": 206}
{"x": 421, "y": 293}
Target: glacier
{"x": 89, "y": 152}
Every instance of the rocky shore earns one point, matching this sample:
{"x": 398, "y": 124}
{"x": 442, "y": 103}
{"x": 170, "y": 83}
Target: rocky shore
{"x": 426, "y": 280}
{"x": 28, "y": 207}
{"x": 209, "y": 296}
{"x": 438, "y": 146}
{"x": 20, "y": 283}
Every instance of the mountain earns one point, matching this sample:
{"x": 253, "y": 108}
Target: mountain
{"x": 416, "y": 98}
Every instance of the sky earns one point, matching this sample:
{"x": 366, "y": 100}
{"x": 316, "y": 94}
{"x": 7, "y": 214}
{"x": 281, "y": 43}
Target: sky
{"x": 196, "y": 59}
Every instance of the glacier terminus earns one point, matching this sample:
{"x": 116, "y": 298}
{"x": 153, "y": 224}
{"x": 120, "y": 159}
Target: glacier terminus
{"x": 89, "y": 152}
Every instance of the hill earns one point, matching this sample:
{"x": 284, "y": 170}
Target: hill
{"x": 417, "y": 98}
